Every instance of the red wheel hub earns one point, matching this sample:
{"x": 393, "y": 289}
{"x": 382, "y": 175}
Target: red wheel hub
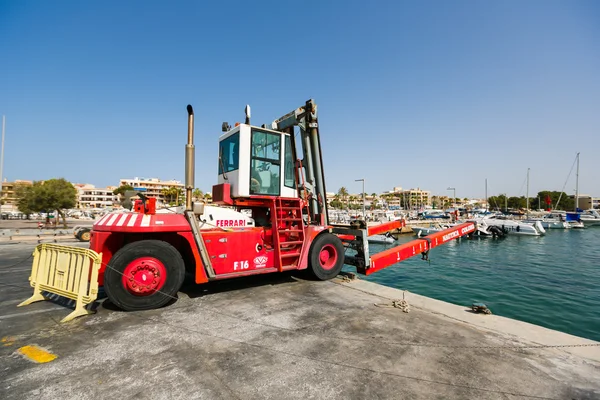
{"x": 328, "y": 256}
{"x": 144, "y": 276}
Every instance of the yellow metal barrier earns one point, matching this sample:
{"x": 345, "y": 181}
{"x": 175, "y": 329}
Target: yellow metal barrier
{"x": 71, "y": 272}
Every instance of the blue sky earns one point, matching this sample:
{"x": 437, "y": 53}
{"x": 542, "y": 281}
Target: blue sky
{"x": 415, "y": 94}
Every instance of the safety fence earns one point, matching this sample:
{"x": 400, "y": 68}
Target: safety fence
{"x": 66, "y": 271}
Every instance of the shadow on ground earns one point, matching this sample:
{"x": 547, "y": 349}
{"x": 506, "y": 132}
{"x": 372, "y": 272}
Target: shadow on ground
{"x": 194, "y": 290}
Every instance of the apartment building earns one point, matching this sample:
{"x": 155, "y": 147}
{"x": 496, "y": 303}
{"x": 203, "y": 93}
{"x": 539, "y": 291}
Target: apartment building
{"x": 587, "y": 202}
{"x": 152, "y": 186}
{"x": 89, "y": 196}
{"x": 8, "y": 197}
{"x": 407, "y": 198}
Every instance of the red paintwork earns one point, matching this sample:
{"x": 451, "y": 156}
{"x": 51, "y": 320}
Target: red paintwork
{"x": 311, "y": 232}
{"x": 200, "y": 275}
{"x": 135, "y": 222}
{"x": 246, "y": 273}
{"x": 144, "y": 276}
{"x": 399, "y": 253}
{"x": 221, "y": 194}
{"x": 384, "y": 227}
{"x": 377, "y": 229}
{"x": 238, "y": 250}
{"x": 147, "y": 207}
{"x": 113, "y": 231}
{"x": 346, "y": 237}
{"x": 98, "y": 242}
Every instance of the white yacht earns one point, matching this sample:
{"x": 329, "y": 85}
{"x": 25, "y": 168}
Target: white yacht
{"x": 590, "y": 217}
{"x": 432, "y": 228}
{"x": 483, "y": 230}
{"x": 513, "y": 227}
{"x": 554, "y": 220}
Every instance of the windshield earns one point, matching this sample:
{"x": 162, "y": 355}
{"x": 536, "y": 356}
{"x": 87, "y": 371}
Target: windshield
{"x": 265, "y": 163}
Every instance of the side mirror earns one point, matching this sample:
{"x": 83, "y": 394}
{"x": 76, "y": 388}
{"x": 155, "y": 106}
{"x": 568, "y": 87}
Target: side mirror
{"x": 127, "y": 203}
{"x": 198, "y": 208}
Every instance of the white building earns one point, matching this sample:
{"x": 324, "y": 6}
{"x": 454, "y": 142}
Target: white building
{"x": 89, "y": 196}
{"x": 407, "y": 198}
{"x": 152, "y": 187}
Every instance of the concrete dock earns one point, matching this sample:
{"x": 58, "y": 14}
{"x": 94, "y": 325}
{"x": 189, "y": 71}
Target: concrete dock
{"x": 281, "y": 336}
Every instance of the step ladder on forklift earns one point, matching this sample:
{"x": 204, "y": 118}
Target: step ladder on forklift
{"x": 290, "y": 231}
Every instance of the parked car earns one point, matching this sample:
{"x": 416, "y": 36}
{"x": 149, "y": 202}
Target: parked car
{"x": 82, "y": 233}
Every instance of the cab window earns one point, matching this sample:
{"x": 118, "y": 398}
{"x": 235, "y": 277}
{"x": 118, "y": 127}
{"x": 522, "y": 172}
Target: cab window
{"x": 265, "y": 163}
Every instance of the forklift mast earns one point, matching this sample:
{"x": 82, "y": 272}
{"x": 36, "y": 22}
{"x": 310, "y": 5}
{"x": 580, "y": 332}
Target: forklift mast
{"x": 310, "y": 177}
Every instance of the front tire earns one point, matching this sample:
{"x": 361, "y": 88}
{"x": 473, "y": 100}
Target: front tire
{"x": 144, "y": 275}
{"x": 83, "y": 235}
{"x": 326, "y": 256}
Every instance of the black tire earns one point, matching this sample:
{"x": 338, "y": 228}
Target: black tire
{"x": 86, "y": 235}
{"x": 165, "y": 254}
{"x": 331, "y": 268}
{"x": 83, "y": 235}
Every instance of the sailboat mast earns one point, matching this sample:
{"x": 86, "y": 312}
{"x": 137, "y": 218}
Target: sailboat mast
{"x": 577, "y": 185}
{"x": 486, "y": 198}
{"x": 527, "y": 211}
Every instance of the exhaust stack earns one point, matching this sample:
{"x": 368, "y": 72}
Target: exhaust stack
{"x": 189, "y": 160}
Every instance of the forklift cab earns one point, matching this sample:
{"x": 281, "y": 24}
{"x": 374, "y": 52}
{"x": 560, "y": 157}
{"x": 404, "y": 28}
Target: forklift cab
{"x": 257, "y": 162}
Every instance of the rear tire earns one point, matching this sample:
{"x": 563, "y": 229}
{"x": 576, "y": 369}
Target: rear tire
{"x": 144, "y": 275}
{"x": 326, "y": 256}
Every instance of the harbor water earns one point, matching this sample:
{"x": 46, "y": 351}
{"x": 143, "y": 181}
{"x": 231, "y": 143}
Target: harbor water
{"x": 551, "y": 280}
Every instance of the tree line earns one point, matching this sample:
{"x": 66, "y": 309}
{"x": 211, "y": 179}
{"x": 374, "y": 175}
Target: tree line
{"x": 558, "y": 201}
{"x": 343, "y": 200}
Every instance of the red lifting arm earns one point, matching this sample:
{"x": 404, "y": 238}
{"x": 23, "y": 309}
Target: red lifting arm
{"x": 399, "y": 253}
{"x": 385, "y": 227}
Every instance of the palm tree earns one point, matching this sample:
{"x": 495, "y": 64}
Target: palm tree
{"x": 167, "y": 193}
{"x": 343, "y": 193}
{"x": 335, "y": 202}
{"x": 351, "y": 199}
{"x": 178, "y": 195}
{"x": 374, "y": 203}
{"x": 207, "y": 197}
{"x": 197, "y": 194}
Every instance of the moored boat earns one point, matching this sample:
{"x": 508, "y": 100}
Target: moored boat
{"x": 513, "y": 227}
{"x": 554, "y": 220}
{"x": 590, "y": 218}
{"x": 385, "y": 239}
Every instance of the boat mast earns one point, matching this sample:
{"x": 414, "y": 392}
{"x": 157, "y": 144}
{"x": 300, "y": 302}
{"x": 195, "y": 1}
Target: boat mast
{"x": 486, "y": 198}
{"x": 577, "y": 185}
{"x": 527, "y": 210}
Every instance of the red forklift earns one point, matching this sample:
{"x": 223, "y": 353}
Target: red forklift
{"x": 269, "y": 214}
